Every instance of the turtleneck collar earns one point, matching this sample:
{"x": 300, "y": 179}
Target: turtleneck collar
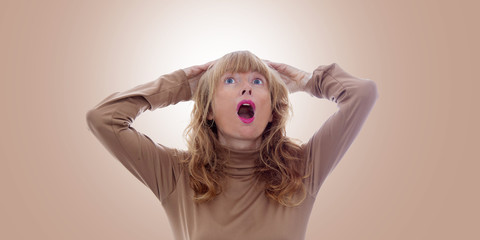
{"x": 241, "y": 162}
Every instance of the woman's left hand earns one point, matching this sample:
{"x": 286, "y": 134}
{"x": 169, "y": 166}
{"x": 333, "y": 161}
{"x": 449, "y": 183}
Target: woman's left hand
{"x": 294, "y": 78}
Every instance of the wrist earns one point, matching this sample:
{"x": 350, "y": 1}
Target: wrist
{"x": 304, "y": 81}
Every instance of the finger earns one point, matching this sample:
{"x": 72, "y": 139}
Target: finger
{"x": 204, "y": 67}
{"x": 208, "y": 64}
{"x": 268, "y": 62}
{"x": 274, "y": 65}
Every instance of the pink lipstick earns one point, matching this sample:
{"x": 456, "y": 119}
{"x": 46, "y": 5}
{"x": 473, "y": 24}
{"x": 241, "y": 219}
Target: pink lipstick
{"x": 246, "y": 111}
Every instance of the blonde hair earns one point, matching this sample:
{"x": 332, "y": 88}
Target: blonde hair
{"x": 280, "y": 163}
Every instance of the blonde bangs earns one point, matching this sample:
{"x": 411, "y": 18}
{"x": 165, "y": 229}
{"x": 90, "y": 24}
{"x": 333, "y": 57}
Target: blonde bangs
{"x": 242, "y": 61}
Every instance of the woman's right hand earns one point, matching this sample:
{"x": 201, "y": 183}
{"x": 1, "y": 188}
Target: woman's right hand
{"x": 194, "y": 73}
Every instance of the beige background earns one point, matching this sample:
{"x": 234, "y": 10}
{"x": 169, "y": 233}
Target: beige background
{"x": 410, "y": 174}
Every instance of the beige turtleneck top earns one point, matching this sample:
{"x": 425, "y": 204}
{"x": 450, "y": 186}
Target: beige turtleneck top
{"x": 241, "y": 211}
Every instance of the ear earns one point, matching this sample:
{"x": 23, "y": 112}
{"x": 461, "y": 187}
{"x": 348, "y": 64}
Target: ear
{"x": 270, "y": 119}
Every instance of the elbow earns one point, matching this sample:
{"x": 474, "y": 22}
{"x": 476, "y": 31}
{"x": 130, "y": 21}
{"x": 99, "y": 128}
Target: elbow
{"x": 94, "y": 119}
{"x": 369, "y": 90}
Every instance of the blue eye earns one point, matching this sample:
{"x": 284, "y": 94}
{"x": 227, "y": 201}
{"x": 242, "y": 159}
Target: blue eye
{"x": 258, "y": 81}
{"x": 229, "y": 80}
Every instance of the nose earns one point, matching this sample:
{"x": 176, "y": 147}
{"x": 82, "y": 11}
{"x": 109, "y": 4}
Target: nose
{"x": 245, "y": 85}
{"x": 249, "y": 92}
{"x": 246, "y": 88}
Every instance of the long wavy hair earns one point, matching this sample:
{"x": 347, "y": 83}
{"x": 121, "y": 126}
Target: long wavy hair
{"x": 280, "y": 163}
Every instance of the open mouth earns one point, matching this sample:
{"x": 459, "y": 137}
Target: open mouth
{"x": 246, "y": 111}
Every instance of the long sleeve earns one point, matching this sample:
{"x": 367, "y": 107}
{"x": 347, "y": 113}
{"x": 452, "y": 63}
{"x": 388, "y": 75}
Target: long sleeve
{"x": 110, "y": 121}
{"x": 355, "y": 98}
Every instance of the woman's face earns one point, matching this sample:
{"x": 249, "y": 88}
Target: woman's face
{"x": 241, "y": 109}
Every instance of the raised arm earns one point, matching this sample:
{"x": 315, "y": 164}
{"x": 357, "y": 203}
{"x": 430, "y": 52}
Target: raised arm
{"x": 110, "y": 121}
{"x": 355, "y": 98}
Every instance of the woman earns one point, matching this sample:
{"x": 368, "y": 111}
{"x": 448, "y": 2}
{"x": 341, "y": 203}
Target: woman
{"x": 241, "y": 177}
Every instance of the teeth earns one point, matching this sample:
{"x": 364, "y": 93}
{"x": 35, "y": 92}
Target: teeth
{"x": 245, "y": 104}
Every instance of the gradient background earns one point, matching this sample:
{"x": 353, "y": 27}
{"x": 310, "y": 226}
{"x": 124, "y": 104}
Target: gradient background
{"x": 410, "y": 174}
